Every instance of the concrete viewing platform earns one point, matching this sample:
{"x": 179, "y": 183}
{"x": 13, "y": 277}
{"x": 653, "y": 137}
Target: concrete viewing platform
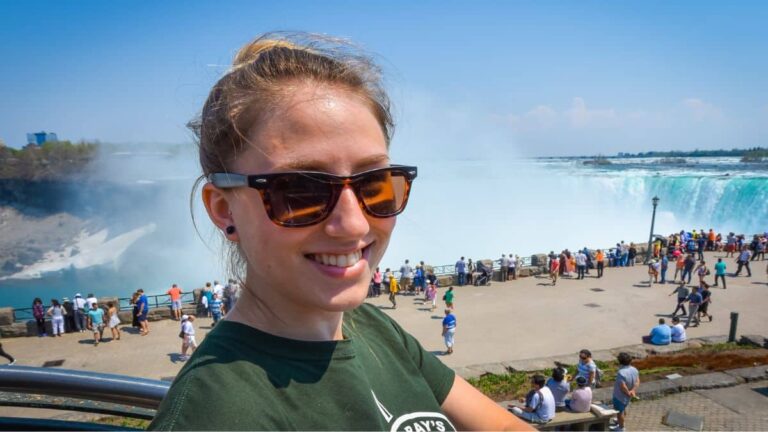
{"x": 499, "y": 326}
{"x": 505, "y": 322}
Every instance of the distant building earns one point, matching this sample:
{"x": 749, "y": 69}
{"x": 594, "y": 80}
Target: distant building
{"x": 39, "y": 138}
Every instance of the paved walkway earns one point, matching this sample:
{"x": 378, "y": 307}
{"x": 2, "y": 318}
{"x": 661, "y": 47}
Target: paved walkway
{"x": 743, "y": 408}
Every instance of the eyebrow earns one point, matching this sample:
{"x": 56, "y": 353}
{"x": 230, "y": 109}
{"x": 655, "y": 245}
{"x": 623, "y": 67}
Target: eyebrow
{"x": 322, "y": 166}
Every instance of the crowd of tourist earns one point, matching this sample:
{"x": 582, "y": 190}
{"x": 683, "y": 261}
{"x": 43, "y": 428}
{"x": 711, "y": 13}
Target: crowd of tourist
{"x": 87, "y": 314}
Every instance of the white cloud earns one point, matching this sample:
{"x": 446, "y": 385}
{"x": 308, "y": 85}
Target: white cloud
{"x": 581, "y": 116}
{"x": 701, "y": 110}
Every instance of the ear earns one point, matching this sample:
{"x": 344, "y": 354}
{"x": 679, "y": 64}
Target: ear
{"x": 219, "y": 210}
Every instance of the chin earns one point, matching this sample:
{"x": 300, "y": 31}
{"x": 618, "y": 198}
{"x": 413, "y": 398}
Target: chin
{"x": 348, "y": 299}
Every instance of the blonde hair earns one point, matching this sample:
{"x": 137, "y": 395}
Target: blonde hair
{"x": 263, "y": 73}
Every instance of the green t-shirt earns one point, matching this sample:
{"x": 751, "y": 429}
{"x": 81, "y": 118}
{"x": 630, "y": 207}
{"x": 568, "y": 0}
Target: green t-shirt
{"x": 377, "y": 378}
{"x": 449, "y": 296}
{"x": 720, "y": 268}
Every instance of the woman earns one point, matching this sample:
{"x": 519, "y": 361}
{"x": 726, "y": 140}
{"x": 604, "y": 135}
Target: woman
{"x": 702, "y": 271}
{"x": 39, "y": 313}
{"x": 113, "y": 320}
{"x": 377, "y": 279}
{"x": 294, "y": 148}
{"x": 56, "y": 312}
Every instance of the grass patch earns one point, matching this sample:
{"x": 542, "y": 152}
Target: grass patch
{"x": 507, "y": 386}
{"x": 658, "y": 370}
{"x": 724, "y": 346}
{"x": 125, "y": 422}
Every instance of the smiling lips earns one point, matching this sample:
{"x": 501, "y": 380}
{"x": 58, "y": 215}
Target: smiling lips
{"x": 346, "y": 260}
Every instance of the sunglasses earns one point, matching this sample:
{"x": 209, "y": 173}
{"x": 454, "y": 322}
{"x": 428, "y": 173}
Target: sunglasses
{"x": 304, "y": 198}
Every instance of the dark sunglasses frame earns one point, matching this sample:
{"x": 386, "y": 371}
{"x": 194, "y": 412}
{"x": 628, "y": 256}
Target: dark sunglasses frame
{"x": 262, "y": 182}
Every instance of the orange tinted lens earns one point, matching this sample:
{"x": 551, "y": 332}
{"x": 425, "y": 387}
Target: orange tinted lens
{"x": 384, "y": 193}
{"x": 299, "y": 199}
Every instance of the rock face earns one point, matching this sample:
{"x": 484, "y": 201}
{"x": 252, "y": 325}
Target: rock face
{"x": 539, "y": 260}
{"x": 24, "y": 238}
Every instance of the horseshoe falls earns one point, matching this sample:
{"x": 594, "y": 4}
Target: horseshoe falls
{"x": 483, "y": 208}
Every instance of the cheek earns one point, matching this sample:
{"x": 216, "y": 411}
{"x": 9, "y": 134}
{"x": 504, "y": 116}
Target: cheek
{"x": 383, "y": 230}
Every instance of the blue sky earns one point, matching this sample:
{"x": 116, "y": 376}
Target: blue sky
{"x": 468, "y": 79}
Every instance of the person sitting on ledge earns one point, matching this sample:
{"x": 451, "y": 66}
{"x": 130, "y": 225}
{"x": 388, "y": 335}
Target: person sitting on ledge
{"x": 539, "y": 403}
{"x": 678, "y": 331}
{"x": 559, "y": 387}
{"x": 661, "y": 334}
{"x": 581, "y": 398}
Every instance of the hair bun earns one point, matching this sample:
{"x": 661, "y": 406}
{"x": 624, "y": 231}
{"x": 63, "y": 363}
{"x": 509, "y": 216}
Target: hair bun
{"x": 253, "y": 50}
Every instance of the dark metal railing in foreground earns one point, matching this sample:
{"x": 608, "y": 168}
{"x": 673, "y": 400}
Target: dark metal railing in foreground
{"x": 73, "y": 390}
{"x": 117, "y": 389}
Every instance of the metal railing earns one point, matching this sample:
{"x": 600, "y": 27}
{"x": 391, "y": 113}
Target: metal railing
{"x": 74, "y": 390}
{"x": 450, "y": 269}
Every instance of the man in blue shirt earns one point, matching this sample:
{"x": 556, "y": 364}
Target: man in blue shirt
{"x": 661, "y": 334}
{"x": 461, "y": 270}
{"x": 664, "y": 267}
{"x": 143, "y": 307}
{"x": 624, "y": 388}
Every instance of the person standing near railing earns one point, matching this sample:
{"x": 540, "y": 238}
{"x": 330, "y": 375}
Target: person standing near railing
{"x": 504, "y": 266}
{"x": 79, "y": 310}
{"x": 90, "y": 301}
{"x": 470, "y": 271}
{"x": 142, "y": 306}
{"x": 406, "y": 276}
{"x": 461, "y": 271}
{"x": 56, "y": 312}
{"x": 39, "y": 313}
{"x": 175, "y": 293}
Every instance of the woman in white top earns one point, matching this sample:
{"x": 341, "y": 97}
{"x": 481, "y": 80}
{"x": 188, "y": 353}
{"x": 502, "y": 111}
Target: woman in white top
{"x": 57, "y": 312}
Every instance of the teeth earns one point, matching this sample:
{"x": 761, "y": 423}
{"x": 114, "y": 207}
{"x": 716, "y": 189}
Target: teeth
{"x": 339, "y": 260}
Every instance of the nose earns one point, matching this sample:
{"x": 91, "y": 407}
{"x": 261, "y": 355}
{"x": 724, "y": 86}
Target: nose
{"x": 347, "y": 220}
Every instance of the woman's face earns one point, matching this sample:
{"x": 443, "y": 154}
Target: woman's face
{"x": 316, "y": 128}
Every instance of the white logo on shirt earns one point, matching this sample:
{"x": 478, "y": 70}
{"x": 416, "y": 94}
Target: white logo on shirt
{"x": 415, "y": 422}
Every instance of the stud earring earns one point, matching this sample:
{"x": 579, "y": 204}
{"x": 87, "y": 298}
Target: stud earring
{"x": 230, "y": 229}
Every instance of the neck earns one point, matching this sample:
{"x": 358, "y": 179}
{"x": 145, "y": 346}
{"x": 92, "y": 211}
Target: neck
{"x": 278, "y": 316}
